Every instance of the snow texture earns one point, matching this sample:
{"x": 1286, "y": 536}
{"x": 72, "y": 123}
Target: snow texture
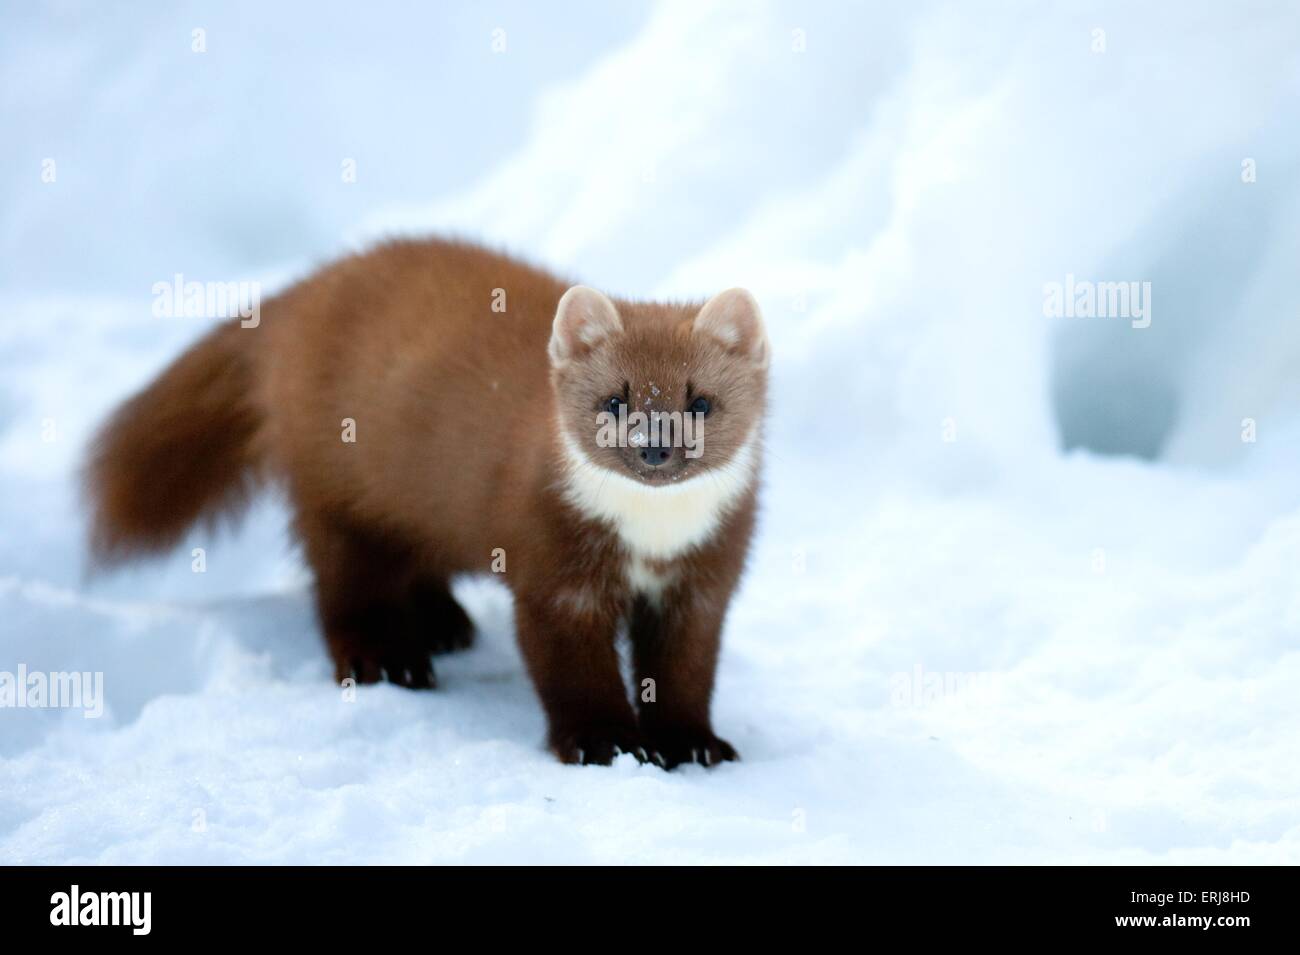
{"x": 1022, "y": 592}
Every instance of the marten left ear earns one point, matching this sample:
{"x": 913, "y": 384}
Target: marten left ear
{"x": 733, "y": 318}
{"x": 583, "y": 319}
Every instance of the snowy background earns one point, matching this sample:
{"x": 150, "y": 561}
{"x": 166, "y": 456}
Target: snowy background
{"x": 1022, "y": 592}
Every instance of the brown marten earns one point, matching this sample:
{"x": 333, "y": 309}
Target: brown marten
{"x": 433, "y": 408}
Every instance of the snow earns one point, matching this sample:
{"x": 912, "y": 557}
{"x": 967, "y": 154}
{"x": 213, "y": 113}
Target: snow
{"x": 957, "y": 641}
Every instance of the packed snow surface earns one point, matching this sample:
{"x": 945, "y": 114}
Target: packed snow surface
{"x": 1025, "y": 585}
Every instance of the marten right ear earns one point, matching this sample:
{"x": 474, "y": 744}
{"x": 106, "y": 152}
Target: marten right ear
{"x": 583, "y": 319}
{"x": 733, "y": 318}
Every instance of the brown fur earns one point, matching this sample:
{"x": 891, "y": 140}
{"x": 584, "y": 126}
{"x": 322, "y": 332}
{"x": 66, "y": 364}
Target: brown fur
{"x": 458, "y": 416}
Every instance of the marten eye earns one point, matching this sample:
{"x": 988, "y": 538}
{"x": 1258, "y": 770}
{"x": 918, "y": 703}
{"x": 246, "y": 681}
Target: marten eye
{"x": 613, "y": 404}
{"x": 700, "y": 406}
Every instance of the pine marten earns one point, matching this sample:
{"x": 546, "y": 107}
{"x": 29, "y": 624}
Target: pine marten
{"x": 434, "y": 408}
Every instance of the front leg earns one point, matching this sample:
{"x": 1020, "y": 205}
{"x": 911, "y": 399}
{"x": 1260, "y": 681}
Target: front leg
{"x": 675, "y": 646}
{"x": 571, "y": 657}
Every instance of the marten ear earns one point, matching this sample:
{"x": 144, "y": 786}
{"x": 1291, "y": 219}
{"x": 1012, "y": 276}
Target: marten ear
{"x": 583, "y": 319}
{"x": 733, "y": 318}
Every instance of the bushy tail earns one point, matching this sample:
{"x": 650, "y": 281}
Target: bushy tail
{"x": 182, "y": 450}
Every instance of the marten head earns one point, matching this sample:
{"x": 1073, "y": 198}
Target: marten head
{"x": 660, "y": 395}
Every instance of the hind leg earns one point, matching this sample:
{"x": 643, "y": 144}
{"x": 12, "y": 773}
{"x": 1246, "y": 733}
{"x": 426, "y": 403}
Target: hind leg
{"x": 440, "y": 623}
{"x": 363, "y": 598}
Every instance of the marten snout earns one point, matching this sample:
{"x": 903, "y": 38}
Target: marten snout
{"x": 656, "y": 457}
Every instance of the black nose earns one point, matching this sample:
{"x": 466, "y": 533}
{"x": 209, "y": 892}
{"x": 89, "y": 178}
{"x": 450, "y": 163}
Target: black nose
{"x": 656, "y": 457}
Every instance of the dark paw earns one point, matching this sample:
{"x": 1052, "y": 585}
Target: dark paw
{"x": 448, "y": 640}
{"x": 597, "y": 745}
{"x": 670, "y": 748}
{"x": 439, "y": 623}
{"x": 405, "y": 666}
